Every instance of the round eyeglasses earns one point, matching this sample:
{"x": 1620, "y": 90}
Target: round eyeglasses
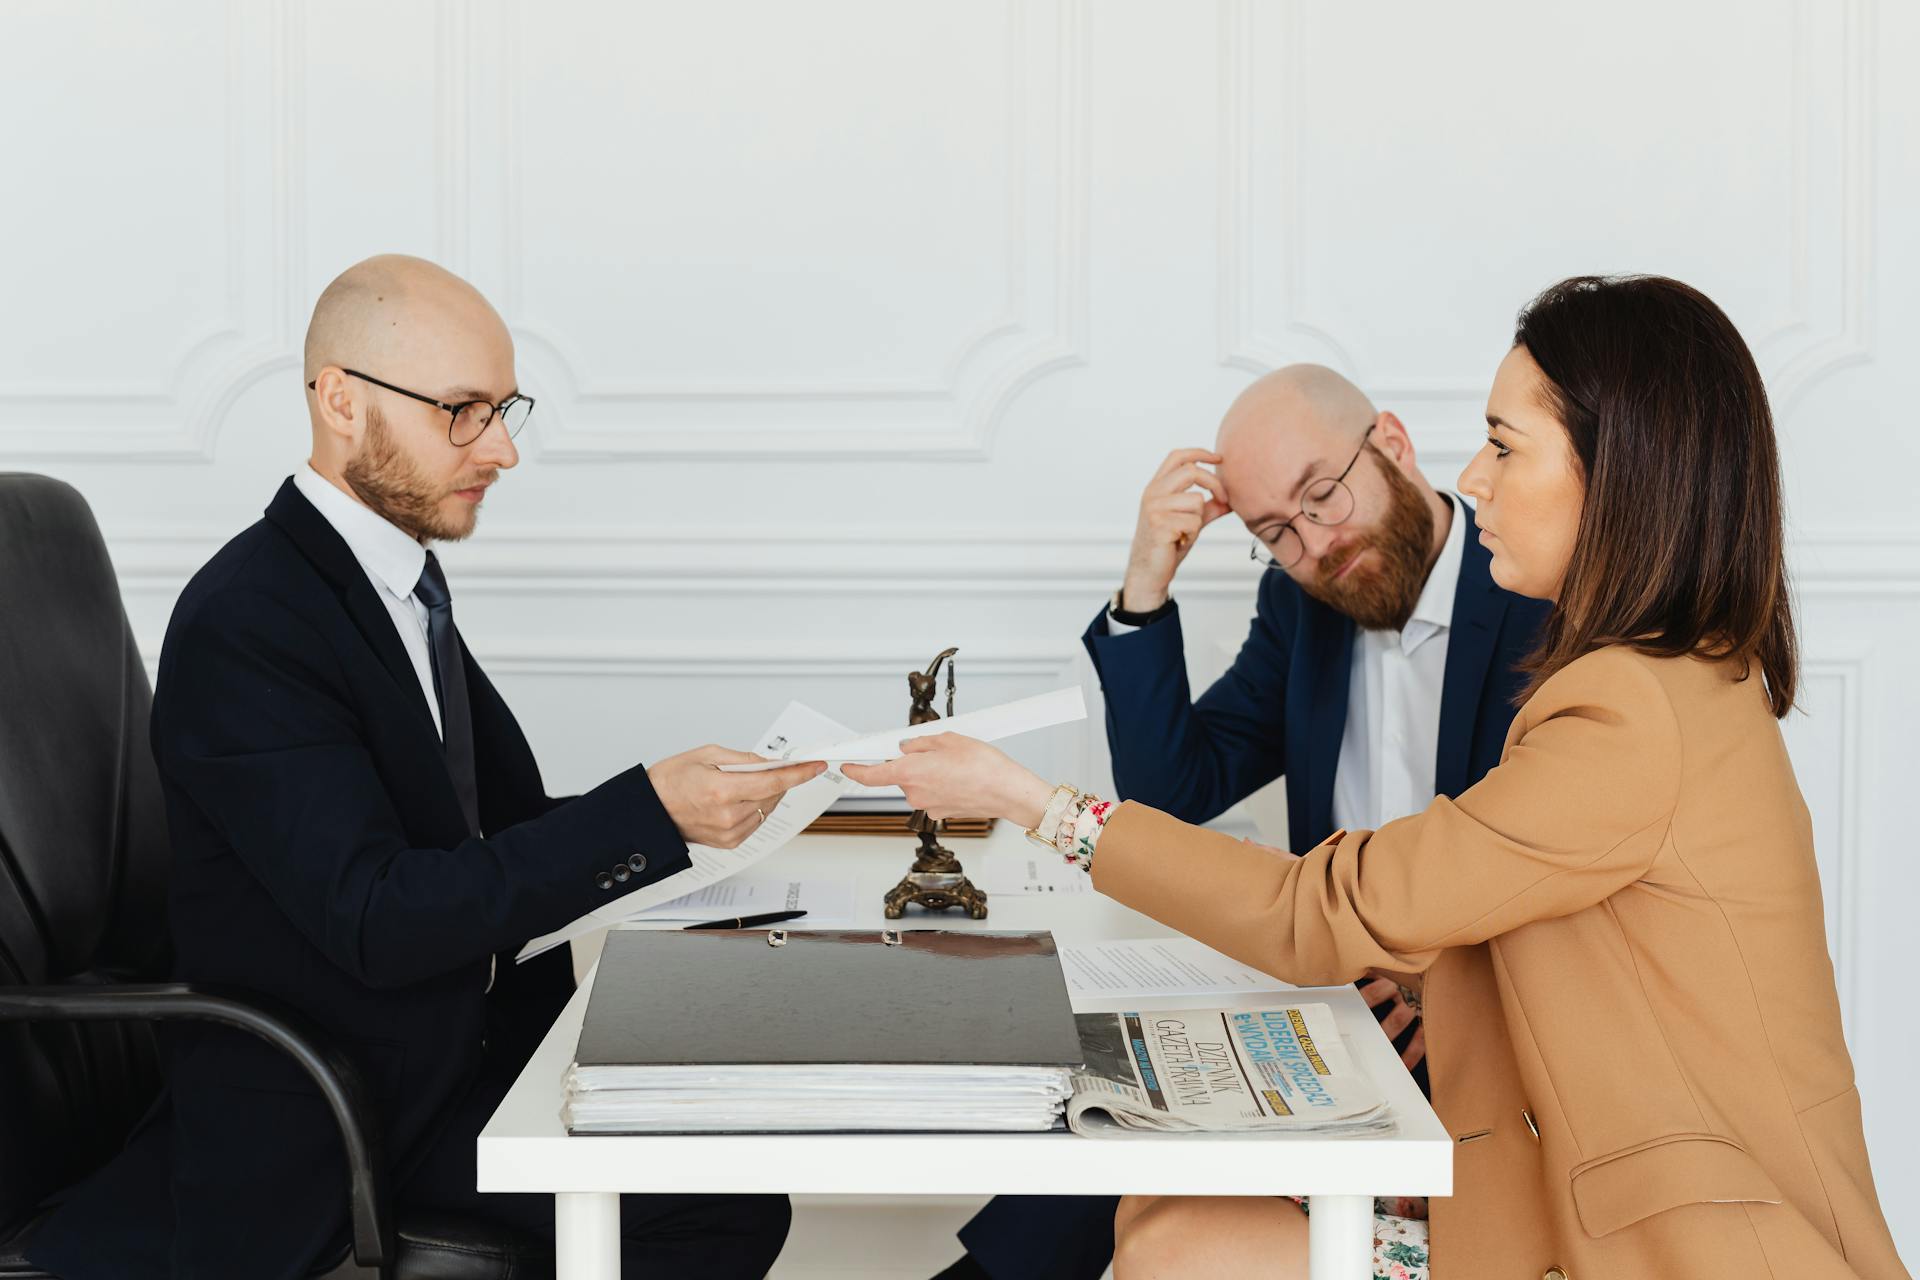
{"x": 1326, "y": 501}
{"x": 469, "y": 419}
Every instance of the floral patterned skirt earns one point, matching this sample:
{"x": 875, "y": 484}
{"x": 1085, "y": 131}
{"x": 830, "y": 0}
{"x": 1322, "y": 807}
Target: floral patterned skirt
{"x": 1399, "y": 1237}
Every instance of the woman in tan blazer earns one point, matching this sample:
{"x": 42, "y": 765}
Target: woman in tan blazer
{"x": 1631, "y": 1019}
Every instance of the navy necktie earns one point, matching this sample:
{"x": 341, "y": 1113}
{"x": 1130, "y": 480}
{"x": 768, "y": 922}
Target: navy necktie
{"x": 450, "y": 683}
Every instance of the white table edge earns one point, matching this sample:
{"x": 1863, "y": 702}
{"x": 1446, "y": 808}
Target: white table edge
{"x": 525, "y": 1149}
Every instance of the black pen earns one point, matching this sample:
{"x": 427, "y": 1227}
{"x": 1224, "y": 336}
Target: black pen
{"x": 748, "y": 922}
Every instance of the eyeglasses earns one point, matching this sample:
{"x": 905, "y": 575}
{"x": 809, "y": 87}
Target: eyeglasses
{"x": 467, "y": 420}
{"x": 1327, "y": 501}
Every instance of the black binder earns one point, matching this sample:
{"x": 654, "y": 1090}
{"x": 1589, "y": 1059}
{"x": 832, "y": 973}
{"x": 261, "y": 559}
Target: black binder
{"x": 909, "y": 997}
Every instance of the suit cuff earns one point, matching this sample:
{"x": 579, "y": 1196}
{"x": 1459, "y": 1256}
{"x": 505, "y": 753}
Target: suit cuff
{"x": 1120, "y": 621}
{"x": 622, "y": 838}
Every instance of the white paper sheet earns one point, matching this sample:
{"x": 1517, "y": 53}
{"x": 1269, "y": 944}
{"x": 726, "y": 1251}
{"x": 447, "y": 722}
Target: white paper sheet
{"x": 990, "y": 724}
{"x": 789, "y": 818}
{"x": 1040, "y": 873}
{"x": 827, "y": 903}
{"x": 1158, "y": 967}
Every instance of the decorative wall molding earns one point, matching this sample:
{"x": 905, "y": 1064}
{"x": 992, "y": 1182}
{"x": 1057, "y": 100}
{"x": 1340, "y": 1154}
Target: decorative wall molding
{"x": 174, "y": 420}
{"x": 453, "y": 133}
{"x": 1844, "y": 906}
{"x": 1819, "y": 337}
{"x": 193, "y": 345}
{"x": 1831, "y": 343}
{"x": 588, "y": 416}
{"x": 1240, "y": 346}
{"x": 548, "y": 657}
{"x": 1866, "y": 564}
{"x": 867, "y": 561}
{"x": 523, "y": 658}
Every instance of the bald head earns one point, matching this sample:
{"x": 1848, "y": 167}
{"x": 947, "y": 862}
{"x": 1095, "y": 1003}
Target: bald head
{"x": 1290, "y": 435}
{"x": 393, "y": 310}
{"x": 1302, "y": 398}
{"x": 393, "y": 341}
{"x": 1301, "y": 421}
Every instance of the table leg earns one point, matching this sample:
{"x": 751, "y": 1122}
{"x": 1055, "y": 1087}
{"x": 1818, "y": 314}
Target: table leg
{"x": 1340, "y": 1238}
{"x": 586, "y": 1236}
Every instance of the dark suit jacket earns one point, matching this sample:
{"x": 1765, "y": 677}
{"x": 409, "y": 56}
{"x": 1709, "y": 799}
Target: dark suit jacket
{"x": 321, "y": 857}
{"x": 1282, "y": 707}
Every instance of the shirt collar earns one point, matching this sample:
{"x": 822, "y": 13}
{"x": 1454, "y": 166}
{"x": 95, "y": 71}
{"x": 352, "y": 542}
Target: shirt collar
{"x": 388, "y": 553}
{"x": 1433, "y": 613}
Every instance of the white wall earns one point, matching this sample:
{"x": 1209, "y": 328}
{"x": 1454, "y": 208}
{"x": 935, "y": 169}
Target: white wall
{"x": 856, "y": 325}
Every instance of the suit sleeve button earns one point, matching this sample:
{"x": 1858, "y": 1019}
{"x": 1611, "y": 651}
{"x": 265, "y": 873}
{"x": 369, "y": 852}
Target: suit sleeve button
{"x": 637, "y": 861}
{"x": 604, "y": 880}
{"x": 621, "y": 873}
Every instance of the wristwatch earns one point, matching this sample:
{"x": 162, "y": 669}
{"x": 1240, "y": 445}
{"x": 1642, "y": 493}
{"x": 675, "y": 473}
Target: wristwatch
{"x": 1120, "y": 613}
{"x": 1063, "y": 795}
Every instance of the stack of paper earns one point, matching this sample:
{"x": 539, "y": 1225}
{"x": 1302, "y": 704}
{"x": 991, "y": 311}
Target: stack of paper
{"x": 815, "y": 1099}
{"x": 742, "y": 1031}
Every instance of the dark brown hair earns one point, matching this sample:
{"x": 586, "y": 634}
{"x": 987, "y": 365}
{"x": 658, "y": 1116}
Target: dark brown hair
{"x": 1680, "y": 547}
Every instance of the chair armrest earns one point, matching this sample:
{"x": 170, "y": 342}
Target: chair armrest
{"x": 292, "y": 1033}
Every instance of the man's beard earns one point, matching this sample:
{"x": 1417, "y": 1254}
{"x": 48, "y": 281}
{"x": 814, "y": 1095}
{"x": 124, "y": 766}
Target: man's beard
{"x": 387, "y": 481}
{"x": 1381, "y": 597}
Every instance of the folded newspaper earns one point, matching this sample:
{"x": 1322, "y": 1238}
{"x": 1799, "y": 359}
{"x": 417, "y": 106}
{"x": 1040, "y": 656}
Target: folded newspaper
{"x": 1282, "y": 1069}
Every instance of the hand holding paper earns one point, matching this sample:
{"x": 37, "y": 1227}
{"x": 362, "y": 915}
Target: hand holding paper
{"x": 816, "y": 790}
{"x": 711, "y": 863}
{"x": 952, "y": 776}
{"x": 717, "y": 808}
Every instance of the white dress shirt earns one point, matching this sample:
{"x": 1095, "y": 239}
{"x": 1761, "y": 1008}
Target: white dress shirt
{"x": 393, "y": 562}
{"x": 1391, "y": 742}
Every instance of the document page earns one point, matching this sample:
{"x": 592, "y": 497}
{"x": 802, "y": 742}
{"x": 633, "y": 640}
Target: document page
{"x": 1156, "y": 967}
{"x": 1062, "y": 706}
{"x": 828, "y": 903}
{"x": 789, "y": 818}
{"x": 1038, "y": 872}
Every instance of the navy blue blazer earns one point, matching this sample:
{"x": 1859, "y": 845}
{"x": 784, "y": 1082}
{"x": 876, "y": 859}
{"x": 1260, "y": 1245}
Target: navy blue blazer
{"x": 321, "y": 857}
{"x": 1282, "y": 707}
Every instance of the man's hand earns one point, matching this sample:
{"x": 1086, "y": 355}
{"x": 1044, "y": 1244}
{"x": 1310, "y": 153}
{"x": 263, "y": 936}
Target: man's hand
{"x": 1172, "y": 514}
{"x": 1400, "y": 1015}
{"x": 722, "y": 809}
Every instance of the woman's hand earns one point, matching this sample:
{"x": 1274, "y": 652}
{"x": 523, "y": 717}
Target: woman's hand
{"x": 1393, "y": 990}
{"x": 952, "y": 776}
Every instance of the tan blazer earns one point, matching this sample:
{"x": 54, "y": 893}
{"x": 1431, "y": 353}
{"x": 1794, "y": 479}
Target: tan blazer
{"x": 1621, "y": 934}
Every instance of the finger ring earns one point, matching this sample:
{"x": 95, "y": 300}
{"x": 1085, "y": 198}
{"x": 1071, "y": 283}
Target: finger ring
{"x": 762, "y": 812}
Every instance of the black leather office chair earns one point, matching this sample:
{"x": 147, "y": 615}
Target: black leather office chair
{"x": 83, "y": 934}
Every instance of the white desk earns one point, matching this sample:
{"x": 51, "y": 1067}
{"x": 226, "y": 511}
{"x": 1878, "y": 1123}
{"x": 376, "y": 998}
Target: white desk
{"x": 525, "y": 1149}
